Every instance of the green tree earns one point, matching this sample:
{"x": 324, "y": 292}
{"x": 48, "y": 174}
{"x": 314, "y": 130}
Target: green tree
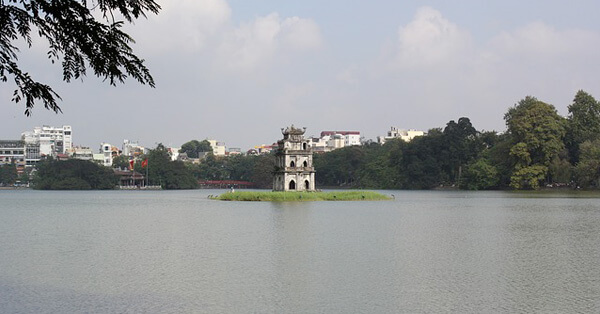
{"x": 587, "y": 171}
{"x": 479, "y": 175}
{"x": 339, "y": 167}
{"x": 461, "y": 145}
{"x": 80, "y": 34}
{"x": 193, "y": 148}
{"x": 24, "y": 177}
{"x": 583, "y": 123}
{"x": 528, "y": 177}
{"x": 8, "y": 174}
{"x": 537, "y": 133}
{"x": 380, "y": 168}
{"x": 240, "y": 167}
{"x": 420, "y": 165}
{"x": 73, "y": 174}
{"x": 497, "y": 152}
{"x": 560, "y": 170}
{"x": 213, "y": 168}
{"x": 120, "y": 162}
{"x": 167, "y": 173}
{"x": 262, "y": 172}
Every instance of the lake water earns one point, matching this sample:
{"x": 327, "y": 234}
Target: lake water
{"x": 178, "y": 252}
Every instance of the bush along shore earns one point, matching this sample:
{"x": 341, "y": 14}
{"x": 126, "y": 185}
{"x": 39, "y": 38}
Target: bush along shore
{"x": 302, "y": 196}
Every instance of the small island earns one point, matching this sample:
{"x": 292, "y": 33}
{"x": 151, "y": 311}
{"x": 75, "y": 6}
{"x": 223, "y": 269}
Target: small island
{"x": 294, "y": 176}
{"x": 277, "y": 196}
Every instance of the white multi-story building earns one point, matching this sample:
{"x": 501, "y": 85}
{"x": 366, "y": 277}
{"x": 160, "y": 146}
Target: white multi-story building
{"x": 336, "y": 141}
{"x": 332, "y": 140}
{"x": 107, "y": 154}
{"x": 83, "y": 153}
{"x": 132, "y": 149}
{"x": 50, "y": 140}
{"x": 351, "y": 138}
{"x": 12, "y": 152}
{"x": 217, "y": 147}
{"x": 405, "y": 135}
{"x": 234, "y": 151}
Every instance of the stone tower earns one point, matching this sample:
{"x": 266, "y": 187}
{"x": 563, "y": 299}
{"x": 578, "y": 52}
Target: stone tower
{"x": 294, "y": 169}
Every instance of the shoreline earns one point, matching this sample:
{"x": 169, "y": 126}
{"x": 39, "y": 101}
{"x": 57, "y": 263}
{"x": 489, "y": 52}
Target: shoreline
{"x": 294, "y": 196}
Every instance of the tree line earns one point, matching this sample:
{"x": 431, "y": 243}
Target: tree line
{"x": 539, "y": 148}
{"x": 187, "y": 175}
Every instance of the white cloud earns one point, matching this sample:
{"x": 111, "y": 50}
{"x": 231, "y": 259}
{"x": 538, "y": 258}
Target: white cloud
{"x": 349, "y": 75}
{"x": 430, "y": 40}
{"x": 443, "y": 74}
{"x": 301, "y": 34}
{"x": 540, "y": 42}
{"x": 251, "y": 44}
{"x": 183, "y": 25}
{"x": 245, "y": 46}
{"x": 292, "y": 100}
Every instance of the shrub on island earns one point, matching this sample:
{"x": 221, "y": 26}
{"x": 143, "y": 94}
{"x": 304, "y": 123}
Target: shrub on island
{"x": 302, "y": 196}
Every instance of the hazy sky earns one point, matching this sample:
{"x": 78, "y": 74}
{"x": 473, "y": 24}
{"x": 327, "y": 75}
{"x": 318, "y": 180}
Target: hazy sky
{"x": 237, "y": 71}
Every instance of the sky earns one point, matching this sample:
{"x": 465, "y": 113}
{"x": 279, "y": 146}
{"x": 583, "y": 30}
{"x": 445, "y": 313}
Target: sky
{"x": 238, "y": 71}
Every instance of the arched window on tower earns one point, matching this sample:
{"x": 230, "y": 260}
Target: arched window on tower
{"x": 292, "y": 185}
{"x": 292, "y": 164}
{"x": 304, "y": 146}
{"x": 306, "y": 185}
{"x": 305, "y": 163}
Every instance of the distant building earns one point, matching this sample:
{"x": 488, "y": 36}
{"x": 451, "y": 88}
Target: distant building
{"x": 130, "y": 179}
{"x": 107, "y": 151}
{"x": 351, "y": 138}
{"x": 217, "y": 147}
{"x": 234, "y": 151}
{"x": 82, "y": 153}
{"x": 12, "y": 151}
{"x": 47, "y": 141}
{"x": 294, "y": 169}
{"x": 262, "y": 149}
{"x": 132, "y": 149}
{"x": 336, "y": 141}
{"x": 332, "y": 140}
{"x": 405, "y": 135}
{"x": 99, "y": 159}
{"x": 32, "y": 153}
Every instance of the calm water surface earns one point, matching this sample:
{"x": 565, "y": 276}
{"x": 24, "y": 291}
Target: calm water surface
{"x": 178, "y": 252}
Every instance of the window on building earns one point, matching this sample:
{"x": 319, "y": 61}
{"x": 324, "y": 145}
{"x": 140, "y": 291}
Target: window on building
{"x": 292, "y": 185}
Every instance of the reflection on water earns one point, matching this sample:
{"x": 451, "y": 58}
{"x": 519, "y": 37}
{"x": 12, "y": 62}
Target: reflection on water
{"x": 177, "y": 251}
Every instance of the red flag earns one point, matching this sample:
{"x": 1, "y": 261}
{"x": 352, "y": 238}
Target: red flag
{"x": 131, "y": 164}
{"x": 145, "y": 163}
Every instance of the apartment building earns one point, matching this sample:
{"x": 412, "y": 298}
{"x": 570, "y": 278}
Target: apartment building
{"x": 332, "y": 140}
{"x": 217, "y": 147}
{"x": 351, "y": 138}
{"x": 132, "y": 149}
{"x": 12, "y": 151}
{"x": 106, "y": 151}
{"x": 51, "y": 140}
{"x": 405, "y": 135}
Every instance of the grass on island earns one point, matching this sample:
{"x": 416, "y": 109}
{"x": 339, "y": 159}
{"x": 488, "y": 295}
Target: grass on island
{"x": 302, "y": 196}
